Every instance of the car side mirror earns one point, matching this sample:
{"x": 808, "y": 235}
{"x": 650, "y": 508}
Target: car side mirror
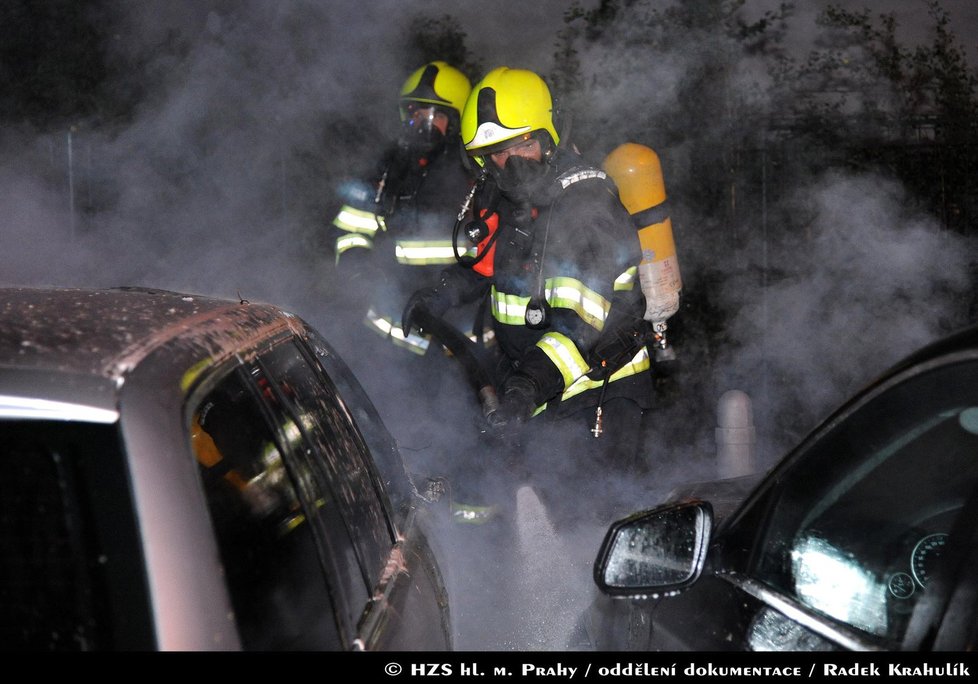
{"x": 659, "y": 551}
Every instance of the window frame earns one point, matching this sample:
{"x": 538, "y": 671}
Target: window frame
{"x": 239, "y": 364}
{"x": 743, "y": 537}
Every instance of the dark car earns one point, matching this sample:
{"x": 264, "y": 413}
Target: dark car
{"x": 187, "y": 473}
{"x": 864, "y": 537}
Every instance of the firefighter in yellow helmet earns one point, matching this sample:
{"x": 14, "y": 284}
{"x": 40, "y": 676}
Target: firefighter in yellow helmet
{"x": 566, "y": 308}
{"x": 393, "y": 234}
{"x": 394, "y": 228}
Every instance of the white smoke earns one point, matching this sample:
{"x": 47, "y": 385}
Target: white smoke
{"x": 869, "y": 282}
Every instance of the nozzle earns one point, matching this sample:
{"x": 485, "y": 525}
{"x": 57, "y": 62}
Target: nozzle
{"x": 489, "y": 400}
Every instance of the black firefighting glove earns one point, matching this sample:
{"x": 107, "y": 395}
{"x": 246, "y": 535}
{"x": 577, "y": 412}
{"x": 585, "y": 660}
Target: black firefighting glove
{"x": 430, "y": 300}
{"x": 516, "y": 404}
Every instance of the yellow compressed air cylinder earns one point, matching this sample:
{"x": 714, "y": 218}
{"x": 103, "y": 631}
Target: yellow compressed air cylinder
{"x": 637, "y": 172}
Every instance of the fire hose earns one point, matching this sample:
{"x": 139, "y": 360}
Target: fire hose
{"x": 467, "y": 352}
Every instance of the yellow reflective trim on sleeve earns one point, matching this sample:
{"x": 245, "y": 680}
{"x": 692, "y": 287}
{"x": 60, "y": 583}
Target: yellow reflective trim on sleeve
{"x": 507, "y": 308}
{"x": 570, "y": 293}
{"x": 564, "y": 354}
{"x": 426, "y": 252}
{"x": 358, "y": 221}
{"x": 345, "y": 242}
{"x": 626, "y": 281}
{"x": 565, "y": 293}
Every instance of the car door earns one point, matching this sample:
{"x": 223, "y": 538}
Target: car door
{"x": 843, "y": 547}
{"x": 288, "y": 589}
{"x": 309, "y": 478}
{"x": 301, "y": 527}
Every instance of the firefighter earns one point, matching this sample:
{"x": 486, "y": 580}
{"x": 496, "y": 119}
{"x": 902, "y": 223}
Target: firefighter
{"x": 574, "y": 369}
{"x": 394, "y": 231}
{"x": 392, "y": 234}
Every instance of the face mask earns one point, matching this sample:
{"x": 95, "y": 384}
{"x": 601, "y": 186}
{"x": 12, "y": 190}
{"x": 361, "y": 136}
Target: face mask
{"x": 520, "y": 178}
{"x": 421, "y": 139}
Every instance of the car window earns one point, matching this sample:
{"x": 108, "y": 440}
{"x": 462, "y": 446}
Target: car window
{"x": 278, "y": 424}
{"x": 271, "y": 559}
{"x": 71, "y": 573}
{"x": 858, "y": 527}
{"x": 333, "y": 453}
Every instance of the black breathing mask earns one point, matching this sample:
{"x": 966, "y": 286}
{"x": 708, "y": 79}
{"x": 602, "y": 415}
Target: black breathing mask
{"x": 520, "y": 178}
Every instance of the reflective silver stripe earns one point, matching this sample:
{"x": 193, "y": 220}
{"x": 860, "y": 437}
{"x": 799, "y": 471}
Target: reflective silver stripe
{"x": 507, "y": 308}
{"x": 566, "y": 293}
{"x": 383, "y": 325}
{"x": 626, "y": 281}
{"x": 570, "y": 293}
{"x": 358, "y": 221}
{"x": 572, "y": 178}
{"x": 418, "y": 344}
{"x": 423, "y": 252}
{"x": 349, "y": 241}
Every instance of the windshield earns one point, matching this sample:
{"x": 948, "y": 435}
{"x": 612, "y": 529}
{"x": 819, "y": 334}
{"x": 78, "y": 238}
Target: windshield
{"x": 859, "y": 527}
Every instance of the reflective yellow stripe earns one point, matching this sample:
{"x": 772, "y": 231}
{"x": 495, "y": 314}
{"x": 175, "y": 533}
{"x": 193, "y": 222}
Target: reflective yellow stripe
{"x": 573, "y": 368}
{"x": 566, "y": 293}
{"x": 638, "y": 364}
{"x": 358, "y": 221}
{"x": 423, "y": 252}
{"x": 564, "y": 354}
{"x": 507, "y": 308}
{"x": 345, "y": 242}
{"x": 570, "y": 293}
{"x": 626, "y": 281}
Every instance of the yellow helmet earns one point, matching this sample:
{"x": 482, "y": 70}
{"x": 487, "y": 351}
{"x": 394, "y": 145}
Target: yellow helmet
{"x": 506, "y": 104}
{"x": 436, "y": 83}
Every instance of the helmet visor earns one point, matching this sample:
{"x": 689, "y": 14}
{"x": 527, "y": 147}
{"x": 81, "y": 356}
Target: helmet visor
{"x": 424, "y": 119}
{"x": 502, "y": 150}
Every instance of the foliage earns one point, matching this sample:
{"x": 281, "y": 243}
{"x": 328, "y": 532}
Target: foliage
{"x": 440, "y": 38}
{"x": 700, "y": 81}
{"x": 896, "y": 108}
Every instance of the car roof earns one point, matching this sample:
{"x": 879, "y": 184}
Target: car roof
{"x": 106, "y": 332}
{"x": 80, "y": 347}
{"x": 963, "y": 340}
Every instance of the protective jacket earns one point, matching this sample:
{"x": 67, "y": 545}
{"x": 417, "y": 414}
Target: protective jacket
{"x": 572, "y": 245}
{"x": 394, "y": 233}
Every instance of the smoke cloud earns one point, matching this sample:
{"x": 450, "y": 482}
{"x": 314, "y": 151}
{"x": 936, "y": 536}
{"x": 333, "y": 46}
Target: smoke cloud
{"x": 222, "y": 183}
